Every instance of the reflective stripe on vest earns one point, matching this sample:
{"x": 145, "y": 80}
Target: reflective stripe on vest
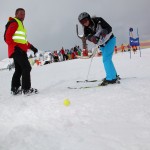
{"x": 20, "y": 34}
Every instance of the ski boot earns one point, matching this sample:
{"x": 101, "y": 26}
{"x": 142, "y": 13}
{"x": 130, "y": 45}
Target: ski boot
{"x": 30, "y": 91}
{"x": 16, "y": 90}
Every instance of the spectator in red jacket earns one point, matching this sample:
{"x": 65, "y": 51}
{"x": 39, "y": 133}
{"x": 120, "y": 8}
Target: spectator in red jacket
{"x": 15, "y": 37}
{"x": 62, "y": 51}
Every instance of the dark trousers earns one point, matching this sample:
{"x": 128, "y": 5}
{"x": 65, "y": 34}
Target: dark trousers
{"x": 22, "y": 69}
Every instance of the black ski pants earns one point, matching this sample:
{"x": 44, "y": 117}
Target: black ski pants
{"x": 22, "y": 69}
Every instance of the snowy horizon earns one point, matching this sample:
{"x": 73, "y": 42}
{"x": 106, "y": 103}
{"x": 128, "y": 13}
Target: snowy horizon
{"x": 114, "y": 117}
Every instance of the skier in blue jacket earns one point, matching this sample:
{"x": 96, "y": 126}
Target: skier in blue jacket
{"x": 98, "y": 31}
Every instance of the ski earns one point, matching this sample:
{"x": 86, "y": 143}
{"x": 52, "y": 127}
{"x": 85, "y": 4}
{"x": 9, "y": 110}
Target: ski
{"x": 85, "y": 81}
{"x": 88, "y": 87}
{"x": 84, "y": 87}
{"x": 96, "y": 86}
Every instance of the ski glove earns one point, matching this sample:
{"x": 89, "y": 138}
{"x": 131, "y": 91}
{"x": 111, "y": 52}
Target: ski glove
{"x": 103, "y": 33}
{"x": 35, "y": 50}
{"x": 93, "y": 39}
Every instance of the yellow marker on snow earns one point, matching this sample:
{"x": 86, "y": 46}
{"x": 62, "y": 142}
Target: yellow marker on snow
{"x": 66, "y": 102}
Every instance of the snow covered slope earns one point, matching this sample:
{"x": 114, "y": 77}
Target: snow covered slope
{"x": 115, "y": 117}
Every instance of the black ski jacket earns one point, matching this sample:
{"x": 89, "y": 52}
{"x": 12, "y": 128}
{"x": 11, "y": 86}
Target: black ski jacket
{"x": 92, "y": 29}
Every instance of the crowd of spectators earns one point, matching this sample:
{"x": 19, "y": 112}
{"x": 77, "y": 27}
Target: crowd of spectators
{"x": 57, "y": 56}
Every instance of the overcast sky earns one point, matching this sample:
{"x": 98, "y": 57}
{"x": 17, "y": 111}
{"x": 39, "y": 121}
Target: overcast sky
{"x": 51, "y": 24}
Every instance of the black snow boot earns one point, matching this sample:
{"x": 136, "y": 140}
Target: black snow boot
{"x": 16, "y": 90}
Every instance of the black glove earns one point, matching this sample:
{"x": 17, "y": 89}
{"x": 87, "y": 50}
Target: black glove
{"x": 93, "y": 38}
{"x": 103, "y": 33}
{"x": 35, "y": 50}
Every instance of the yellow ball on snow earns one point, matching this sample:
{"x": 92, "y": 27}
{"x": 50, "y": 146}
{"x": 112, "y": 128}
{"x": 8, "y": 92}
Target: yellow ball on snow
{"x": 66, "y": 102}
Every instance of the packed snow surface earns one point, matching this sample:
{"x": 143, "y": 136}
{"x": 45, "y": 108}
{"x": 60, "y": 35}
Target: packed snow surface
{"x": 114, "y": 117}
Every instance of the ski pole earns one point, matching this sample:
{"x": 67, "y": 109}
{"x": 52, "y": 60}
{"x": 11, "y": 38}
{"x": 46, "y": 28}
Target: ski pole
{"x": 139, "y": 42}
{"x": 129, "y": 44}
{"x": 93, "y": 54}
{"x": 89, "y": 69}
